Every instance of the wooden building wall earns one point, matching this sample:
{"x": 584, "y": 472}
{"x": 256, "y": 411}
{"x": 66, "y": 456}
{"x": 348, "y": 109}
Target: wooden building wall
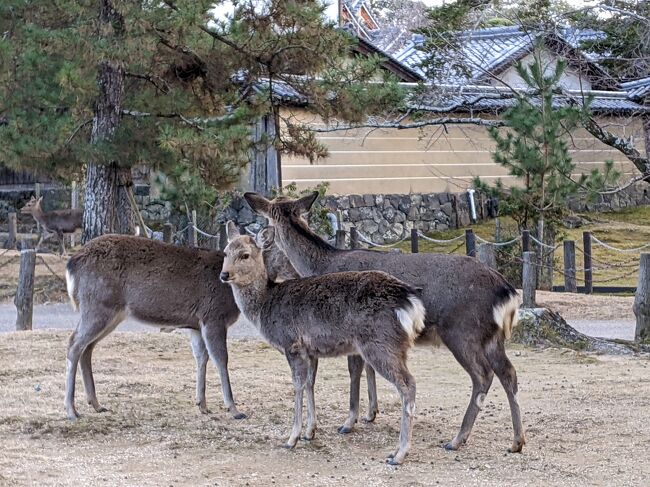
{"x": 435, "y": 159}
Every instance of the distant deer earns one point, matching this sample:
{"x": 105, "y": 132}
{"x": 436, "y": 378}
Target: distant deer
{"x": 368, "y": 313}
{"x": 469, "y": 307}
{"x": 58, "y": 222}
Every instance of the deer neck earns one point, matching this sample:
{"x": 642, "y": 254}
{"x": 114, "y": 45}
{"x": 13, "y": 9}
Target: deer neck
{"x": 309, "y": 254}
{"x": 251, "y": 297}
{"x": 38, "y": 213}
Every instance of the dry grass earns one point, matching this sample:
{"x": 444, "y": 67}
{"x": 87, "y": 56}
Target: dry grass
{"x": 586, "y": 421}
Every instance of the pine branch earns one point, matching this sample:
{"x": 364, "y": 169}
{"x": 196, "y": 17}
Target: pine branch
{"x": 404, "y": 126}
{"x": 165, "y": 89}
{"x": 196, "y": 122}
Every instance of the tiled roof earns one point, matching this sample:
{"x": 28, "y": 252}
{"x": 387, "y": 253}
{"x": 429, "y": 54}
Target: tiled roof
{"x": 637, "y": 89}
{"x": 490, "y": 50}
{"x": 492, "y": 99}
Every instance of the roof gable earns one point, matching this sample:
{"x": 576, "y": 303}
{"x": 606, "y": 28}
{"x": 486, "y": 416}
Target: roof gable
{"x": 490, "y": 52}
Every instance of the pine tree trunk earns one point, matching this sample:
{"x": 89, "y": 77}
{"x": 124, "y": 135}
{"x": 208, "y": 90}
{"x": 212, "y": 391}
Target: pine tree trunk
{"x": 107, "y": 208}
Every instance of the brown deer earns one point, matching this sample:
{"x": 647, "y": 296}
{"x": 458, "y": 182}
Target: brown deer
{"x": 368, "y": 313}
{"x": 160, "y": 284}
{"x": 58, "y": 222}
{"x": 469, "y": 307}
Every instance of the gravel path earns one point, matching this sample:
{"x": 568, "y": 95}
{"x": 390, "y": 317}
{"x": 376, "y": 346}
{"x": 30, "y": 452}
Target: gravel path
{"x": 61, "y": 316}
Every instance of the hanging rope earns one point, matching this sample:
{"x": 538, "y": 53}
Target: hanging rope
{"x": 370, "y": 242}
{"x": 543, "y": 245}
{"x": 498, "y": 244}
{"x": 429, "y": 239}
{"x": 615, "y": 249}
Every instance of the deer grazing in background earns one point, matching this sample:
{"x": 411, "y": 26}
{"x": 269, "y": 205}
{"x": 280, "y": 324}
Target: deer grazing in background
{"x": 470, "y": 308}
{"x": 368, "y": 313}
{"x": 57, "y": 222}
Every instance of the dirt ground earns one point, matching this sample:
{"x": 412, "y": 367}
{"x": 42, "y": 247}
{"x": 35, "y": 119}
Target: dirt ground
{"x": 586, "y": 420}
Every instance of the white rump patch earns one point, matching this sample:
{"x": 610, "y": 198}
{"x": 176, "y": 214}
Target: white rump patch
{"x": 412, "y": 317}
{"x": 505, "y": 315}
{"x": 70, "y": 286}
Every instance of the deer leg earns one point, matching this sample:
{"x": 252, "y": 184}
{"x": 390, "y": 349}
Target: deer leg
{"x": 299, "y": 372}
{"x": 373, "y": 407}
{"x": 507, "y": 375}
{"x": 481, "y": 374}
{"x": 311, "y": 401}
{"x": 92, "y": 326}
{"x": 214, "y": 335}
{"x": 85, "y": 363}
{"x": 61, "y": 242}
{"x": 201, "y": 357}
{"x": 97, "y": 331}
{"x": 355, "y": 367}
{"x": 395, "y": 371}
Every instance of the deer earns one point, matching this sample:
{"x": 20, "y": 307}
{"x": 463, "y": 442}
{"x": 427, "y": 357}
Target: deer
{"x": 470, "y": 308}
{"x": 114, "y": 276}
{"x": 56, "y": 222}
{"x": 371, "y": 314}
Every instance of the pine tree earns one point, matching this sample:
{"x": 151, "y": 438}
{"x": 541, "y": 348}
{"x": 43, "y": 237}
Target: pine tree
{"x": 534, "y": 149}
{"x": 94, "y": 87}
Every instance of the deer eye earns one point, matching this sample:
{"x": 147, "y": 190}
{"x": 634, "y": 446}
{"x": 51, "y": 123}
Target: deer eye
{"x": 244, "y": 256}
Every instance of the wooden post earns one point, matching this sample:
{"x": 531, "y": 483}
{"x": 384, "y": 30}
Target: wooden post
{"x": 487, "y": 255}
{"x": 415, "y": 243}
{"x": 192, "y": 237}
{"x": 570, "y": 285}
{"x": 528, "y": 279}
{"x": 37, "y": 192}
{"x": 642, "y": 300}
{"x": 497, "y": 230}
{"x": 74, "y": 204}
{"x": 525, "y": 241}
{"x": 589, "y": 280}
{"x": 470, "y": 242}
{"x": 340, "y": 239}
{"x": 13, "y": 231}
{"x": 168, "y": 233}
{"x": 354, "y": 238}
{"x": 24, "y": 299}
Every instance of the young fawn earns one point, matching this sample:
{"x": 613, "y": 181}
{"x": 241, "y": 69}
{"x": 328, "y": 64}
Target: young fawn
{"x": 57, "y": 222}
{"x": 371, "y": 314}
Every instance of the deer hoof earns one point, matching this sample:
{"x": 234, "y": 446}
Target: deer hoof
{"x": 239, "y": 415}
{"x": 450, "y": 446}
{"x": 370, "y": 417}
{"x": 73, "y": 415}
{"x": 288, "y": 446}
{"x": 391, "y": 460}
{"x": 344, "y": 430}
{"x": 516, "y": 447}
{"x": 102, "y": 409}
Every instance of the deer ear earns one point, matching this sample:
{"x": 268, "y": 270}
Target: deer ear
{"x": 259, "y": 204}
{"x": 265, "y": 238}
{"x": 232, "y": 232}
{"x": 305, "y": 203}
{"x": 40, "y": 199}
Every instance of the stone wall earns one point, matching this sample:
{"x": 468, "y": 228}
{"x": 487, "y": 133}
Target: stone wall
{"x": 390, "y": 217}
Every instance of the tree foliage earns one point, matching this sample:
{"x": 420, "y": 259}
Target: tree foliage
{"x": 534, "y": 149}
{"x": 191, "y": 85}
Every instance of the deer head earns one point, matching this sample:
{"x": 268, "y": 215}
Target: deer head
{"x": 32, "y": 206}
{"x": 244, "y": 262}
